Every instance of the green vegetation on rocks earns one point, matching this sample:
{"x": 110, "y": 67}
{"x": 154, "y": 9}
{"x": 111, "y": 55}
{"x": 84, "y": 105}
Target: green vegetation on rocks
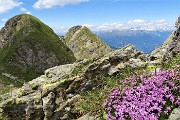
{"x": 84, "y": 43}
{"x": 28, "y": 47}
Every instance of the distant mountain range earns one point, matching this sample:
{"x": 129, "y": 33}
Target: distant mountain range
{"x": 144, "y": 40}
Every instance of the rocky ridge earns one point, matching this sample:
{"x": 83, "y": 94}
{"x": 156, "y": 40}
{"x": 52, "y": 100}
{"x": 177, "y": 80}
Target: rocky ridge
{"x": 53, "y": 96}
{"x": 84, "y": 43}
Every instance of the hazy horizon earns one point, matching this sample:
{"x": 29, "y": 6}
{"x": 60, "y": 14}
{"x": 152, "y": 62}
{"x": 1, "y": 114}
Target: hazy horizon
{"x": 96, "y": 14}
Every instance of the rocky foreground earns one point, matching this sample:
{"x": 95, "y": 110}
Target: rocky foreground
{"x": 54, "y": 95}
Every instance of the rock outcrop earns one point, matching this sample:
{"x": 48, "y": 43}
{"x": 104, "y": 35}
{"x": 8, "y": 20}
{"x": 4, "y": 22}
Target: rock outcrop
{"x": 27, "y": 44}
{"x": 175, "y": 115}
{"x": 169, "y": 48}
{"x": 53, "y": 96}
{"x": 84, "y": 43}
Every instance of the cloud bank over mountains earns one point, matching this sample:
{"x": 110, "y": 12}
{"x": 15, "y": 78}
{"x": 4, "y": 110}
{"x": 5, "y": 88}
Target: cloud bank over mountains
{"x": 138, "y": 24}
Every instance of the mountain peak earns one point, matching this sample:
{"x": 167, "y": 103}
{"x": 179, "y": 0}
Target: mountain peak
{"x": 84, "y": 43}
{"x": 28, "y": 44}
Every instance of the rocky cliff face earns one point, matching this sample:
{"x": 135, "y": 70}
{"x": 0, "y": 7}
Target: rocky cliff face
{"x": 169, "y": 48}
{"x": 84, "y": 43}
{"x": 28, "y": 44}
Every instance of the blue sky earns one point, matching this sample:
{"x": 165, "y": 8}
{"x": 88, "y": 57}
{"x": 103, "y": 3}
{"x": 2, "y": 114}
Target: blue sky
{"x": 93, "y": 13}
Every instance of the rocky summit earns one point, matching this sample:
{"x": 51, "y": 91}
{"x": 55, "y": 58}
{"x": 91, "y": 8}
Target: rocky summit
{"x": 29, "y": 46}
{"x": 84, "y": 43}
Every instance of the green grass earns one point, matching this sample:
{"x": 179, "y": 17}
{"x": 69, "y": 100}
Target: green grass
{"x": 92, "y": 101}
{"x": 5, "y": 89}
{"x": 174, "y": 63}
{"x": 7, "y": 84}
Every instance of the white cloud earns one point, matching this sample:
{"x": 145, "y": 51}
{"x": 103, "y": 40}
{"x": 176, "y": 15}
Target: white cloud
{"x": 28, "y": 12}
{"x": 6, "y": 5}
{"x": 25, "y": 10}
{"x": 137, "y": 21}
{"x": 60, "y": 30}
{"x": 3, "y": 20}
{"x": 138, "y": 24}
{"x": 45, "y": 4}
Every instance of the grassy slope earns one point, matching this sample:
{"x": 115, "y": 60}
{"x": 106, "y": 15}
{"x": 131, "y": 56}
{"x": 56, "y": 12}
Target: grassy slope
{"x": 82, "y": 52}
{"x": 92, "y": 101}
{"x": 40, "y": 35}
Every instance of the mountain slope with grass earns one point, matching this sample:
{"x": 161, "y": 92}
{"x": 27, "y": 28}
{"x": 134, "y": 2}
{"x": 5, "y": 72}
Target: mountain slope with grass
{"x": 123, "y": 84}
{"x": 28, "y": 47}
{"x": 84, "y": 43}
